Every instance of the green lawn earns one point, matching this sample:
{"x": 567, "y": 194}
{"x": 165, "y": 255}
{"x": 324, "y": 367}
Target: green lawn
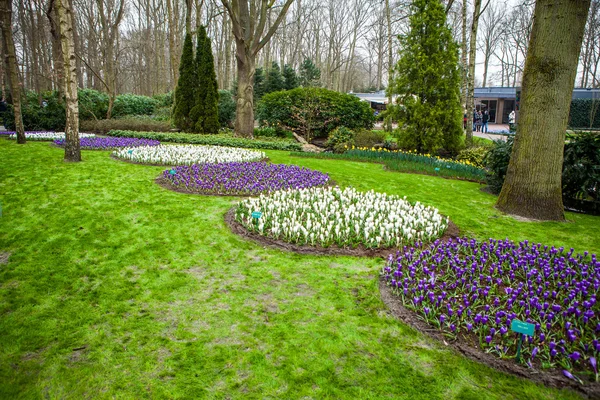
{"x": 160, "y": 300}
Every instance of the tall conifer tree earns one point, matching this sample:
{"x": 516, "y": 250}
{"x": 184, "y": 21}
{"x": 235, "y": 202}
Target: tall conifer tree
{"x": 274, "y": 81}
{"x": 205, "y": 113}
{"x": 290, "y": 78}
{"x": 185, "y": 96}
{"x": 427, "y": 82}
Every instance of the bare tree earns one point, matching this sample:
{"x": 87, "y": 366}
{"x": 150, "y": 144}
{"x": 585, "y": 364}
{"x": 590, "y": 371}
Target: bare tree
{"x": 249, "y": 20}
{"x": 11, "y": 66}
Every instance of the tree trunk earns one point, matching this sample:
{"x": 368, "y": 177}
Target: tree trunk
{"x": 244, "y": 121}
{"x": 463, "y": 70}
{"x": 388, "y": 17}
{"x": 532, "y": 187}
{"x": 72, "y": 150}
{"x": 471, "y": 75}
{"x": 11, "y": 66}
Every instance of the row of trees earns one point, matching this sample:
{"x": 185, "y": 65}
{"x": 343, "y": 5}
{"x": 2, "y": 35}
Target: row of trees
{"x": 274, "y": 79}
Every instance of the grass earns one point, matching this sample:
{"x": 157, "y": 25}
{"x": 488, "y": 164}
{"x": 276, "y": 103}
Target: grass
{"x": 118, "y": 288}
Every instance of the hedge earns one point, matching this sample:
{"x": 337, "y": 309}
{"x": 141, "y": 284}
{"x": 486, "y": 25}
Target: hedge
{"x": 581, "y": 113}
{"x": 214, "y": 140}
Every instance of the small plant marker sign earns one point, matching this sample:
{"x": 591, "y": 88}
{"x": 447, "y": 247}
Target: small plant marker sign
{"x": 256, "y": 215}
{"x": 173, "y": 172}
{"x": 523, "y": 328}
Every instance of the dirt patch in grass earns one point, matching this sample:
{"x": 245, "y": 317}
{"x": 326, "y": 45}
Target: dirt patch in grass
{"x": 4, "y": 256}
{"x": 547, "y": 377}
{"x": 360, "y": 251}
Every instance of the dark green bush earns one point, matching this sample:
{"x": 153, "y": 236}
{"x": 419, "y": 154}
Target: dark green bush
{"x": 215, "y": 140}
{"x": 164, "y": 100}
{"x": 368, "y": 138}
{"x": 340, "y": 136}
{"x": 496, "y": 161}
{"x": 265, "y": 132}
{"x": 131, "y": 123}
{"x": 47, "y": 116}
{"x": 313, "y": 112}
{"x": 581, "y": 167}
{"x": 92, "y": 104}
{"x": 133, "y": 104}
{"x": 226, "y": 108}
{"x": 582, "y": 111}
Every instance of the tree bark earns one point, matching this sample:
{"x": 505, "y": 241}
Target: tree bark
{"x": 471, "y": 74}
{"x": 11, "y": 66}
{"x": 464, "y": 66}
{"x": 72, "y": 148}
{"x": 249, "y": 24}
{"x": 532, "y": 187}
{"x": 388, "y": 17}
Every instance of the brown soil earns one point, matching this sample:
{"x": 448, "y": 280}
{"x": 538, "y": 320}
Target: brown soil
{"x": 360, "y": 251}
{"x": 165, "y": 183}
{"x": 547, "y": 377}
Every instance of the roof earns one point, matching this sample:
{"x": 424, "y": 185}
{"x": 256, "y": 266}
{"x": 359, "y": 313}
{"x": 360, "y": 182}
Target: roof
{"x": 496, "y": 92}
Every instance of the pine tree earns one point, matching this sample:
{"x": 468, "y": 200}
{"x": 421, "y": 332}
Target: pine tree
{"x": 310, "y": 75}
{"x": 259, "y": 84}
{"x": 427, "y": 82}
{"x": 185, "y": 96}
{"x": 290, "y": 78}
{"x": 205, "y": 113}
{"x": 274, "y": 82}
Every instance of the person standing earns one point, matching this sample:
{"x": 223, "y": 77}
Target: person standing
{"x": 485, "y": 118}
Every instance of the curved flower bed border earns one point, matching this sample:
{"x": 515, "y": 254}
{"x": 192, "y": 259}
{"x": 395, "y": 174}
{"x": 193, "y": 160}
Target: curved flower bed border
{"x": 109, "y": 143}
{"x": 361, "y": 251}
{"x": 160, "y": 165}
{"x": 550, "y": 377}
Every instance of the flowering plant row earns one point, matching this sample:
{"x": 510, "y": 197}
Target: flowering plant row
{"x": 345, "y": 218}
{"x": 474, "y": 290}
{"x": 243, "y": 178}
{"x": 48, "y": 135}
{"x": 187, "y": 154}
{"x": 109, "y": 143}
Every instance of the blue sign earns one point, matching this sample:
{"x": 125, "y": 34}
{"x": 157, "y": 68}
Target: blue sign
{"x": 256, "y": 214}
{"x": 173, "y": 172}
{"x": 522, "y": 327}
{"x": 130, "y": 151}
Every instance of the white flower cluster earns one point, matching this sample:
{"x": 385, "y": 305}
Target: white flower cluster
{"x": 187, "y": 154}
{"x": 346, "y": 218}
{"x": 49, "y": 135}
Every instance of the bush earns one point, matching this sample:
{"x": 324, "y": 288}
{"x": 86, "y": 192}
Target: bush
{"x": 49, "y": 116}
{"x": 226, "y": 108}
{"x": 313, "y": 112}
{"x": 214, "y": 140}
{"x": 474, "y": 155}
{"x": 265, "y": 132}
{"x": 368, "y": 138}
{"x": 133, "y": 104}
{"x": 164, "y": 100}
{"x": 92, "y": 104}
{"x": 582, "y": 111}
{"x": 581, "y": 167}
{"x": 135, "y": 123}
{"x": 496, "y": 161}
{"x": 340, "y": 136}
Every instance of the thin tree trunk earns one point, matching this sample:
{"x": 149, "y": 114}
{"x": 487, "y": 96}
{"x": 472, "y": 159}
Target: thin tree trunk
{"x": 11, "y": 66}
{"x": 471, "y": 75}
{"x": 72, "y": 149}
{"x": 388, "y": 17}
{"x": 244, "y": 121}
{"x": 532, "y": 187}
{"x": 463, "y": 64}
{"x": 56, "y": 51}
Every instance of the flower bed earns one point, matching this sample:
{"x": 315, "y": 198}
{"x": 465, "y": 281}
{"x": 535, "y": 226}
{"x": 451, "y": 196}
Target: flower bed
{"x": 406, "y": 161}
{"x": 245, "y": 178}
{"x": 213, "y": 140}
{"x": 473, "y": 291}
{"x": 110, "y": 143}
{"x": 7, "y": 133}
{"x": 48, "y": 136}
{"x": 187, "y": 155}
{"x": 343, "y": 218}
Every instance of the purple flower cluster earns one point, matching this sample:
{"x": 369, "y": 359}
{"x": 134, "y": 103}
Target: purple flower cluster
{"x": 243, "y": 178}
{"x": 108, "y": 143}
{"x": 466, "y": 287}
{"x": 7, "y": 133}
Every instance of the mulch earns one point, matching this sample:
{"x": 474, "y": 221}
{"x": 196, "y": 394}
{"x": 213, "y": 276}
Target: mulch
{"x": 360, "y": 251}
{"x": 547, "y": 377}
